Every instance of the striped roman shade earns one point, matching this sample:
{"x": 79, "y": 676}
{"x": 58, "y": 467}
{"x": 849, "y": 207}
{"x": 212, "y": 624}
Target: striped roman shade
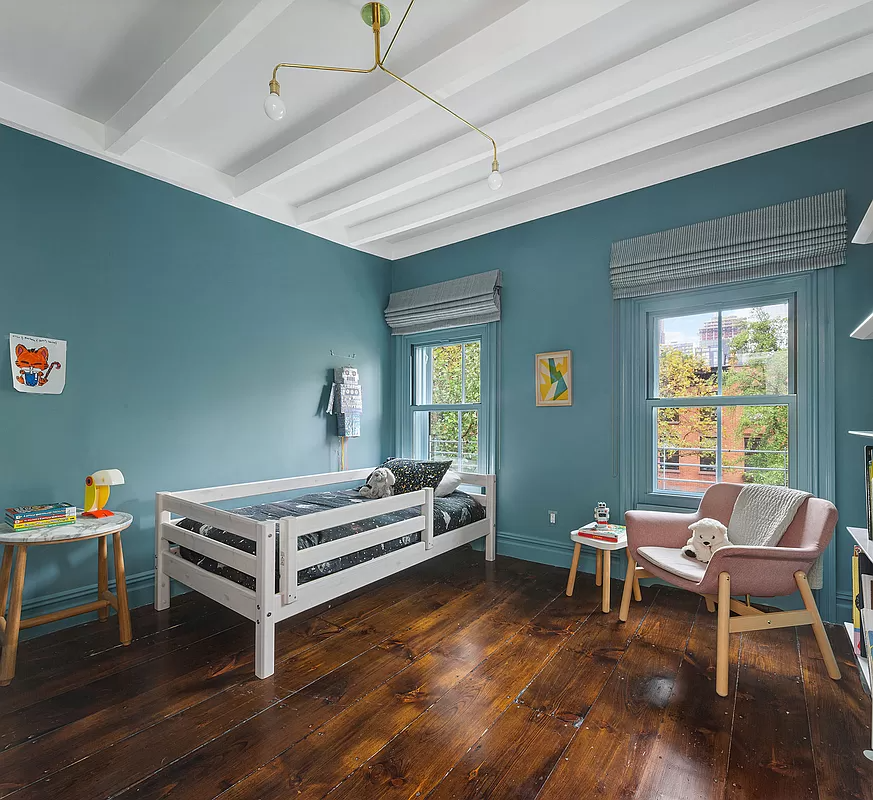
{"x": 804, "y": 234}
{"x": 452, "y": 304}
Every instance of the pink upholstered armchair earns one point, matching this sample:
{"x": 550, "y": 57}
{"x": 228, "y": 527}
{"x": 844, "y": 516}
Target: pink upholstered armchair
{"x": 655, "y": 540}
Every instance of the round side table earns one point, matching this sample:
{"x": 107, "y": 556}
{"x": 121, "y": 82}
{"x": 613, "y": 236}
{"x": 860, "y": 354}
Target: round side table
{"x": 83, "y": 528}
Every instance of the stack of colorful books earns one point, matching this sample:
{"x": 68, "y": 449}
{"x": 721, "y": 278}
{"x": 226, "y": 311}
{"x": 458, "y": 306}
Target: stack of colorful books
{"x": 24, "y": 517}
{"x": 603, "y": 533}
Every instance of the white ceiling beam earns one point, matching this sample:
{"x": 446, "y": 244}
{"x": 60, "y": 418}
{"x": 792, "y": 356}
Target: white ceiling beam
{"x": 226, "y": 31}
{"x": 729, "y": 38}
{"x": 791, "y": 130}
{"x": 800, "y": 79}
{"x": 524, "y": 30}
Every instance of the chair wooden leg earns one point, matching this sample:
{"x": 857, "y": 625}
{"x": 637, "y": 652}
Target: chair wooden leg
{"x": 638, "y": 593}
{"x": 102, "y": 576}
{"x": 13, "y": 621}
{"x": 722, "y": 652}
{"x": 630, "y": 580}
{"x": 598, "y": 568}
{"x": 710, "y": 605}
{"x": 5, "y": 572}
{"x": 121, "y": 592}
{"x": 818, "y": 628}
{"x": 574, "y": 565}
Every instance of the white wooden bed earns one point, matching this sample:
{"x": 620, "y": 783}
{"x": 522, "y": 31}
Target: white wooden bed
{"x": 264, "y": 605}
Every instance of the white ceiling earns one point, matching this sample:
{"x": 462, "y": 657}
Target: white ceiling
{"x": 585, "y": 99}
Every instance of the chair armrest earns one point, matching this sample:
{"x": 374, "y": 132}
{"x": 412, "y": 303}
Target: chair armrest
{"x": 743, "y": 554}
{"x": 657, "y": 529}
{"x": 761, "y": 571}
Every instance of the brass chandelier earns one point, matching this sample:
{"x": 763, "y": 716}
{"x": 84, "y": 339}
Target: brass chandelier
{"x": 377, "y": 16}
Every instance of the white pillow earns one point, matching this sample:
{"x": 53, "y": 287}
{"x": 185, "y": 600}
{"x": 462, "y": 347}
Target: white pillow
{"x": 451, "y": 481}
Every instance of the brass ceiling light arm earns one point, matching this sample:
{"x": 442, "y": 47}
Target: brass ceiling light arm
{"x": 394, "y": 37}
{"x": 372, "y": 13}
{"x": 445, "y": 108}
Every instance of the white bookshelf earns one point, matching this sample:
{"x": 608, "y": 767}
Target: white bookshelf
{"x": 863, "y": 663}
{"x": 860, "y": 537}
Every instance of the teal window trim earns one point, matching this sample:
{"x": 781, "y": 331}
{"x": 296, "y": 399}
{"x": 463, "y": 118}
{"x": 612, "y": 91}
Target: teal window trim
{"x": 405, "y": 374}
{"x": 811, "y": 406}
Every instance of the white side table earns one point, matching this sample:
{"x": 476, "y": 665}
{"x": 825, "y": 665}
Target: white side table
{"x": 602, "y": 556}
{"x": 83, "y": 528}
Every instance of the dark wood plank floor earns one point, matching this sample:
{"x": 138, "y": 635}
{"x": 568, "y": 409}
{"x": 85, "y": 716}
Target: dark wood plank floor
{"x": 452, "y": 680}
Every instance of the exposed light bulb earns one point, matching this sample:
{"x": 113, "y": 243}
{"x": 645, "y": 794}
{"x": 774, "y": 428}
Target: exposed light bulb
{"x": 495, "y": 180}
{"x": 274, "y": 107}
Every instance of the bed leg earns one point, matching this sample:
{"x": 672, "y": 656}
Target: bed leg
{"x": 491, "y": 514}
{"x": 265, "y": 647}
{"x": 265, "y": 594}
{"x": 162, "y": 581}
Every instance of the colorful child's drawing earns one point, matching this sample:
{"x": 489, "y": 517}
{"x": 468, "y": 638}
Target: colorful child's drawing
{"x": 37, "y": 364}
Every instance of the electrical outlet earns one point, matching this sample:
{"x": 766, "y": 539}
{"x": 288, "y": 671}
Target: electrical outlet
{"x": 553, "y": 517}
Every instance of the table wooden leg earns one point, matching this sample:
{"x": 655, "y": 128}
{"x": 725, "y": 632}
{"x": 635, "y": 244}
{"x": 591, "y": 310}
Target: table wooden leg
{"x": 606, "y": 559}
{"x": 571, "y": 581}
{"x": 13, "y": 621}
{"x": 121, "y": 592}
{"x": 5, "y": 572}
{"x": 102, "y": 575}
{"x": 598, "y": 567}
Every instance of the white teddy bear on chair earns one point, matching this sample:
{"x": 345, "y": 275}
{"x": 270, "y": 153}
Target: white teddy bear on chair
{"x": 707, "y": 536}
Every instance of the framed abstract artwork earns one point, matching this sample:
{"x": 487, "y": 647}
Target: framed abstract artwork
{"x": 554, "y": 378}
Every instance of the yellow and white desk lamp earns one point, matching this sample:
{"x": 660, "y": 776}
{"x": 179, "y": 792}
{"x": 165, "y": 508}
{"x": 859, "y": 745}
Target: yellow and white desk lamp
{"x": 97, "y": 491}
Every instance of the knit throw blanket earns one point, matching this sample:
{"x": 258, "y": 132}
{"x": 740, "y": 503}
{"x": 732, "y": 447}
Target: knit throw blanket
{"x": 762, "y": 514}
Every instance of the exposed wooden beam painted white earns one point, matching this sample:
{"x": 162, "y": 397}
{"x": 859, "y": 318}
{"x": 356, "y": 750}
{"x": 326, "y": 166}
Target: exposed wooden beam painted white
{"x": 524, "y": 30}
{"x": 800, "y": 79}
{"x": 864, "y": 234}
{"x": 730, "y": 38}
{"x": 226, "y": 31}
{"x": 784, "y": 132}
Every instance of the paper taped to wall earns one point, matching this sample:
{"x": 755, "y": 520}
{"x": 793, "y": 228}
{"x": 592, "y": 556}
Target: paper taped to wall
{"x": 39, "y": 364}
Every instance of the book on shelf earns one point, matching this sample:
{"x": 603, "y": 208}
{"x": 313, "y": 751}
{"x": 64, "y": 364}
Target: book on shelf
{"x": 50, "y": 511}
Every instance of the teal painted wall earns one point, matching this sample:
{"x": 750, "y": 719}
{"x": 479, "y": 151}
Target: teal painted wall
{"x": 557, "y": 295}
{"x": 199, "y": 341}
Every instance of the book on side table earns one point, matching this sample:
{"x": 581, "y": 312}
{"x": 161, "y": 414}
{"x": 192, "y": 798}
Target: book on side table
{"x": 21, "y": 518}
{"x": 603, "y": 533}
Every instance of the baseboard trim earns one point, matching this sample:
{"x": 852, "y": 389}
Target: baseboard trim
{"x": 543, "y": 551}
{"x": 136, "y": 584}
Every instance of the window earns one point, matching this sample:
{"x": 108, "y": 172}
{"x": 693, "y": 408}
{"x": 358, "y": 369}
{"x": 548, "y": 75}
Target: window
{"x": 722, "y": 396}
{"x": 447, "y": 403}
{"x": 446, "y": 408}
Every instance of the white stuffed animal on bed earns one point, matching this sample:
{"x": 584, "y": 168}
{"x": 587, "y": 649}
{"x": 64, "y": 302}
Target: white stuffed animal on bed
{"x": 379, "y": 484}
{"x": 707, "y": 536}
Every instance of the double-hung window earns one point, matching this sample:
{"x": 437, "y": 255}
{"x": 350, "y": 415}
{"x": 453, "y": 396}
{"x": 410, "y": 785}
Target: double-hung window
{"x": 722, "y": 401}
{"x": 446, "y": 397}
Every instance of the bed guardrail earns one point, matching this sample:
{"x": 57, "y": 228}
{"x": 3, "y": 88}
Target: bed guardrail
{"x": 290, "y": 528}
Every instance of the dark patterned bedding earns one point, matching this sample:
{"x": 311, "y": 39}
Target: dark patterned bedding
{"x": 449, "y": 513}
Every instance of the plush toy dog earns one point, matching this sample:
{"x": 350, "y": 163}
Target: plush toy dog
{"x": 379, "y": 484}
{"x": 707, "y": 536}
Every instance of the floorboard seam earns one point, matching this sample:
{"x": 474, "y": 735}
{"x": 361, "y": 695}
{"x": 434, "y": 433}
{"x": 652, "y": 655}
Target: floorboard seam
{"x": 188, "y": 708}
{"x": 559, "y": 594}
{"x": 577, "y": 726}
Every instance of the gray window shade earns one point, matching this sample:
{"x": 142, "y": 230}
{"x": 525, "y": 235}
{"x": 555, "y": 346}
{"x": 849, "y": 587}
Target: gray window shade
{"x": 466, "y": 301}
{"x": 804, "y": 234}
